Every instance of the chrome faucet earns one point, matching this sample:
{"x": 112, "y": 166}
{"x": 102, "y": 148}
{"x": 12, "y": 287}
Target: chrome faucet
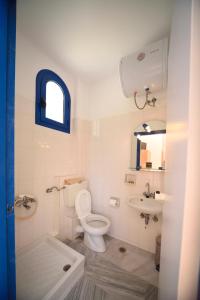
{"x": 148, "y": 194}
{"x": 24, "y": 201}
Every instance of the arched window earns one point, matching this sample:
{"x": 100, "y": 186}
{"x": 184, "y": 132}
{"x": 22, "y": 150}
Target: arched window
{"x": 53, "y": 101}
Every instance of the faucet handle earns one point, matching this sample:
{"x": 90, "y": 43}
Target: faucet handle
{"x": 146, "y": 194}
{"x": 149, "y": 195}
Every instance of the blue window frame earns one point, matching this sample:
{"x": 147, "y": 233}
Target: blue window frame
{"x": 53, "y": 102}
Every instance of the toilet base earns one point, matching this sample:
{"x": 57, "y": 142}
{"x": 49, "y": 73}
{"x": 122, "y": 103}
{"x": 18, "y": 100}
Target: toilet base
{"x": 95, "y": 243}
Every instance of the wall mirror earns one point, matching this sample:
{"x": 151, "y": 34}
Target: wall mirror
{"x": 148, "y": 146}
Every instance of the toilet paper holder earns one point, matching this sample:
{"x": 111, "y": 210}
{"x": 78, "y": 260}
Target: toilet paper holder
{"x": 114, "y": 201}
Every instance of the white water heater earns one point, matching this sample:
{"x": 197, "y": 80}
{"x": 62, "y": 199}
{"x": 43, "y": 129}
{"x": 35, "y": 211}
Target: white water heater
{"x": 147, "y": 68}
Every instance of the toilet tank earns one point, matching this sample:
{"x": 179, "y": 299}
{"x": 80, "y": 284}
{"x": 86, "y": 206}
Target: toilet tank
{"x": 71, "y": 191}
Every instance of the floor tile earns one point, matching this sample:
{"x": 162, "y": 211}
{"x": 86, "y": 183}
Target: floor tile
{"x": 114, "y": 275}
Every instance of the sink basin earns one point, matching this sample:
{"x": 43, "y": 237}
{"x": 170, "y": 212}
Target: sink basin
{"x": 145, "y": 205}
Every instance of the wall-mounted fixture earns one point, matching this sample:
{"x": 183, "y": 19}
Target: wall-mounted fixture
{"x": 25, "y": 201}
{"x": 114, "y": 201}
{"x": 25, "y": 207}
{"x": 147, "y": 217}
{"x": 150, "y": 102}
{"x": 147, "y": 193}
{"x": 144, "y": 73}
{"x": 148, "y": 146}
{"x": 146, "y": 127}
{"x": 130, "y": 179}
{"x": 148, "y": 208}
{"x": 50, "y": 190}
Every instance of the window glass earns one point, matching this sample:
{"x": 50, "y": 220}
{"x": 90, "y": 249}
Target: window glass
{"x": 54, "y": 102}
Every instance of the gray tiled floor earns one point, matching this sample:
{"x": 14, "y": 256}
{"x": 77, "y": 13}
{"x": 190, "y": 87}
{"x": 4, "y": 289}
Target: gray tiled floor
{"x": 113, "y": 275}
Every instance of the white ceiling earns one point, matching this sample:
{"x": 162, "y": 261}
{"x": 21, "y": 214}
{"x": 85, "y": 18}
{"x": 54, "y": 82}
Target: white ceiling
{"x": 90, "y": 36}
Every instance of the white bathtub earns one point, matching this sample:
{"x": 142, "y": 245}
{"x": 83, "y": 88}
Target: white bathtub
{"x": 39, "y": 269}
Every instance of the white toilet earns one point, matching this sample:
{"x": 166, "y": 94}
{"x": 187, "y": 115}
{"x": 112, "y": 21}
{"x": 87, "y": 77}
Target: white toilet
{"x": 94, "y": 226}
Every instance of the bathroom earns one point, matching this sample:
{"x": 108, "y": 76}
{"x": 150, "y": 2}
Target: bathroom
{"x": 91, "y": 164}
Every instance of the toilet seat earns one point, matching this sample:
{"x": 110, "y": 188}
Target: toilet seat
{"x": 83, "y": 203}
{"x": 95, "y": 224}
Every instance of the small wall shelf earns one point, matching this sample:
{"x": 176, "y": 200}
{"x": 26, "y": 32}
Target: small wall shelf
{"x": 147, "y": 170}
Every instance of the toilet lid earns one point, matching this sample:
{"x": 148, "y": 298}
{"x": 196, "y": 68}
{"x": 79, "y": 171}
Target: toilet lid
{"x": 83, "y": 203}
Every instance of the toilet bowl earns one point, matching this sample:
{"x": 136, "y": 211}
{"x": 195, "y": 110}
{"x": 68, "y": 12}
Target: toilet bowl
{"x": 94, "y": 225}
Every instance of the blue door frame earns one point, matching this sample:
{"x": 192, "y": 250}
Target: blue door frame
{"x": 7, "y": 88}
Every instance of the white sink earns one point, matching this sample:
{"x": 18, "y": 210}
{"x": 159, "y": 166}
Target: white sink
{"x": 145, "y": 205}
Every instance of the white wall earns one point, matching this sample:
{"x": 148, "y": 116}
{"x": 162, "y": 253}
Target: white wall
{"x": 114, "y": 120}
{"x": 82, "y": 96}
{"x": 180, "y": 239}
{"x": 42, "y": 154}
{"x": 190, "y": 263}
{"x": 107, "y": 99}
